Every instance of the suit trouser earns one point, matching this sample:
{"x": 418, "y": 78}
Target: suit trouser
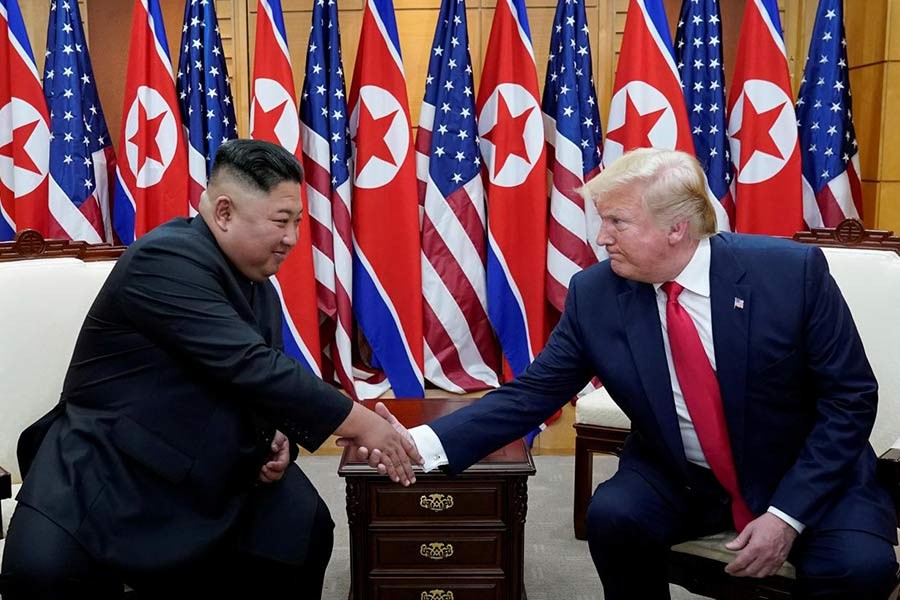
{"x": 632, "y": 523}
{"x": 42, "y": 562}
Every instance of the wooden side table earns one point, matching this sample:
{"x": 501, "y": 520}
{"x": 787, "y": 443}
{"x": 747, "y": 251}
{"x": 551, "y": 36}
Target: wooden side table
{"x": 443, "y": 538}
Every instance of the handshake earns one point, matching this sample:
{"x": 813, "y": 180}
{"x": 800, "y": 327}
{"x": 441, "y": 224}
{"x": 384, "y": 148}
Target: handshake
{"x": 380, "y": 439}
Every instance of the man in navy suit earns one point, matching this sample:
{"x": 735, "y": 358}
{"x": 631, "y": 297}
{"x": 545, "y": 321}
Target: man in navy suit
{"x": 167, "y": 463}
{"x": 786, "y": 368}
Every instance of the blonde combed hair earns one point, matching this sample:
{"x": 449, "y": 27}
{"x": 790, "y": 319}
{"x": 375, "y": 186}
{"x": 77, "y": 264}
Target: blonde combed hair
{"x": 671, "y": 185}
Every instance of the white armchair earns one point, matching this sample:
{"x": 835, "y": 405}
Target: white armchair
{"x": 866, "y": 266}
{"x": 48, "y": 287}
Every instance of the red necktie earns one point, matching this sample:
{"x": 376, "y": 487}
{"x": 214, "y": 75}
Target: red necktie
{"x": 703, "y": 399}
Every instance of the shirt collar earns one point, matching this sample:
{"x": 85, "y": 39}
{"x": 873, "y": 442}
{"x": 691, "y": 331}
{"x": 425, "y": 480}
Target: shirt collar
{"x": 695, "y": 275}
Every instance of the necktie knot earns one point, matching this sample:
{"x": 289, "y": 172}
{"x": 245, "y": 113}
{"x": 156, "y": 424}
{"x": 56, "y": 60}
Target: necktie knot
{"x": 672, "y": 290}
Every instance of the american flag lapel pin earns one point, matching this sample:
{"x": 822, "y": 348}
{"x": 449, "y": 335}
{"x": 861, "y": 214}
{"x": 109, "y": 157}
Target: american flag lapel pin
{"x": 739, "y": 303}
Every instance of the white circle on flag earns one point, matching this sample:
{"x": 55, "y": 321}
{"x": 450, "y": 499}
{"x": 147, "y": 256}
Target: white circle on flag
{"x": 155, "y": 106}
{"x": 646, "y": 99}
{"x": 268, "y": 95}
{"x": 765, "y": 96}
{"x": 381, "y": 103}
{"x": 13, "y": 115}
{"x": 515, "y": 170}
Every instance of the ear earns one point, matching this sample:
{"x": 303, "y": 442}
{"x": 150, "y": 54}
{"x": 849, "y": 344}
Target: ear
{"x": 679, "y": 232}
{"x": 223, "y": 212}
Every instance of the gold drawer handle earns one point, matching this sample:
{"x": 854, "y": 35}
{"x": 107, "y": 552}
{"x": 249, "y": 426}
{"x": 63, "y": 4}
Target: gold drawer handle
{"x": 436, "y": 550}
{"x": 436, "y": 595}
{"x": 436, "y": 502}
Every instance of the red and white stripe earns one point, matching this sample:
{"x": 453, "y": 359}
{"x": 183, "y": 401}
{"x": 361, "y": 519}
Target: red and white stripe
{"x": 460, "y": 352}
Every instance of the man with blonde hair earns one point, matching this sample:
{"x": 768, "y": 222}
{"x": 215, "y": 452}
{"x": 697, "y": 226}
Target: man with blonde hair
{"x": 750, "y": 396}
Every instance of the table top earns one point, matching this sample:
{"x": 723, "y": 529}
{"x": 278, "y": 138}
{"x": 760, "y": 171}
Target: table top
{"x": 512, "y": 459}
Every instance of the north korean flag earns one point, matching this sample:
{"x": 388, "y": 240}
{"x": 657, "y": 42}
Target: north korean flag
{"x": 152, "y": 170}
{"x": 762, "y": 128}
{"x": 387, "y": 278}
{"x": 511, "y": 129}
{"x": 274, "y": 118}
{"x": 24, "y": 131}
{"x": 647, "y": 108}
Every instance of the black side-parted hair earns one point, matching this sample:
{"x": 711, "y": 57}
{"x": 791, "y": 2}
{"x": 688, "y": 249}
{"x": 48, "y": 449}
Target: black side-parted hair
{"x": 257, "y": 164}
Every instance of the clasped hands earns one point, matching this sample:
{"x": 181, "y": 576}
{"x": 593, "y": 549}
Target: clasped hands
{"x": 379, "y": 439}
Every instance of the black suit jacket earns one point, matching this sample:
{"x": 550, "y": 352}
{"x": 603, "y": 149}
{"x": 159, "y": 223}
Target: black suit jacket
{"x": 176, "y": 384}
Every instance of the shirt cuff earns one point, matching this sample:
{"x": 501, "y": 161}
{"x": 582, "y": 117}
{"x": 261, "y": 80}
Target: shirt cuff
{"x": 797, "y": 525}
{"x": 430, "y": 447}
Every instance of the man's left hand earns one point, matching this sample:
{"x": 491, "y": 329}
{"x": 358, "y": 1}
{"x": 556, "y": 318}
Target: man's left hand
{"x": 762, "y": 547}
{"x": 278, "y": 461}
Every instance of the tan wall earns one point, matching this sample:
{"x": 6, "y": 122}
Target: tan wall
{"x": 873, "y": 36}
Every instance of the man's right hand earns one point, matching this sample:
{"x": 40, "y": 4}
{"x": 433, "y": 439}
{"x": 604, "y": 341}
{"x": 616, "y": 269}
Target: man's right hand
{"x": 380, "y": 442}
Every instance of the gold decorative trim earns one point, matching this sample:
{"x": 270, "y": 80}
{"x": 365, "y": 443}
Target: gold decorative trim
{"x": 436, "y": 502}
{"x": 436, "y": 550}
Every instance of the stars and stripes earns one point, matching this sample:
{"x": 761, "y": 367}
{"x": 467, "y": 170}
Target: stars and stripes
{"x": 460, "y": 351}
{"x": 698, "y": 52}
{"x": 572, "y": 132}
{"x": 274, "y": 118}
{"x": 762, "y": 128}
{"x": 204, "y": 93}
{"x": 512, "y": 143}
{"x": 82, "y": 160}
{"x": 151, "y": 170}
{"x": 828, "y": 147}
{"x": 24, "y": 130}
{"x": 387, "y": 267}
{"x": 325, "y": 133}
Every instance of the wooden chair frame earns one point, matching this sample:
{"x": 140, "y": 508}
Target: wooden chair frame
{"x": 702, "y": 575}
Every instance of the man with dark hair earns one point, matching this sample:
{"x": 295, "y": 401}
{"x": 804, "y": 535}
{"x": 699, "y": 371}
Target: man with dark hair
{"x": 167, "y": 463}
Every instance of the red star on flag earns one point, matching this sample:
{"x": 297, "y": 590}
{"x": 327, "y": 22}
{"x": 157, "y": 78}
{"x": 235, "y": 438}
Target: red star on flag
{"x": 635, "y": 130}
{"x": 264, "y": 122}
{"x": 508, "y": 134}
{"x": 755, "y": 132}
{"x": 372, "y": 144}
{"x": 145, "y": 137}
{"x": 20, "y": 137}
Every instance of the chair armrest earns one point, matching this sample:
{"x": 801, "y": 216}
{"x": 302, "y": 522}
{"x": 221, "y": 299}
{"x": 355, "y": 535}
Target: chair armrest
{"x": 5, "y": 484}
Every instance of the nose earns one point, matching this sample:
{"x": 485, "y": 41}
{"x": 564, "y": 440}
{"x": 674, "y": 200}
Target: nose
{"x": 604, "y": 236}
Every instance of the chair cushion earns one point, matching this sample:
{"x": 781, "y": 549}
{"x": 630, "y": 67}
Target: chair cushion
{"x": 713, "y": 547}
{"x": 42, "y": 307}
{"x": 598, "y": 408}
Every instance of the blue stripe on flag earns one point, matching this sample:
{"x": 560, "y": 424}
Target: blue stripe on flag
{"x": 291, "y": 347}
{"x": 17, "y": 26}
{"x": 658, "y": 15}
{"x": 378, "y": 323}
{"x": 522, "y": 17}
{"x": 385, "y": 10}
{"x": 123, "y": 213}
{"x": 506, "y": 316}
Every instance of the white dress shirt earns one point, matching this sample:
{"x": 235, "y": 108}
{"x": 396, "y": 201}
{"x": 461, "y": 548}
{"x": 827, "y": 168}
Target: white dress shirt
{"x": 694, "y": 278}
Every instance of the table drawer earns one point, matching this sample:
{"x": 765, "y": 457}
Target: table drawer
{"x": 437, "y": 551}
{"x": 473, "y": 502}
{"x": 437, "y": 589}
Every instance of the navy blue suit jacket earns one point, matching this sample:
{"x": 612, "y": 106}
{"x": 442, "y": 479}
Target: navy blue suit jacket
{"x": 799, "y": 395}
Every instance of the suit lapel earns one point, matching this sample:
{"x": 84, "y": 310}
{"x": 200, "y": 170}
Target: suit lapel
{"x": 731, "y": 303}
{"x": 640, "y": 317}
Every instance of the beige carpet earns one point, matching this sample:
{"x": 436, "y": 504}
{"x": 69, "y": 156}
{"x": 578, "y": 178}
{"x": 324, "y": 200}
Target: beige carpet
{"x": 557, "y": 566}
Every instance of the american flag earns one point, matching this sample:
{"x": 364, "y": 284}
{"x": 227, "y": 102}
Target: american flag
{"x": 698, "y": 52}
{"x": 831, "y": 186}
{"x": 572, "y": 132}
{"x": 204, "y": 93}
{"x": 82, "y": 161}
{"x": 325, "y": 132}
{"x": 460, "y": 352}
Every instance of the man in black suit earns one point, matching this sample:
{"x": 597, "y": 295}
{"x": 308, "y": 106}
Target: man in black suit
{"x": 167, "y": 463}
